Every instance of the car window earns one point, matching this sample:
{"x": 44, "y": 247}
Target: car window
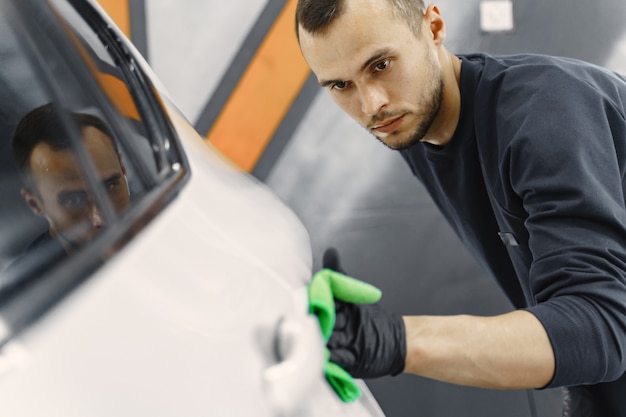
{"x": 87, "y": 154}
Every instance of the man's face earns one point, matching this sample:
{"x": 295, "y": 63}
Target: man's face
{"x": 62, "y": 195}
{"x": 378, "y": 71}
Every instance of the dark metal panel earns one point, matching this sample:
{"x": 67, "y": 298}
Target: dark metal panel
{"x": 238, "y": 66}
{"x": 138, "y": 26}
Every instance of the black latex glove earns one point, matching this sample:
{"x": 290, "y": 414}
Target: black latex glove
{"x": 366, "y": 341}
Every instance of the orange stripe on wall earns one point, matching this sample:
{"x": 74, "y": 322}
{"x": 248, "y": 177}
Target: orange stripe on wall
{"x": 115, "y": 88}
{"x": 119, "y": 11}
{"x": 118, "y": 93}
{"x": 263, "y": 96}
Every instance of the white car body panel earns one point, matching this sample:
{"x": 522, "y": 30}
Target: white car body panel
{"x": 183, "y": 321}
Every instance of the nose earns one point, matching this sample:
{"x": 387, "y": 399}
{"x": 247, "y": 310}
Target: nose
{"x": 95, "y": 217}
{"x": 373, "y": 99}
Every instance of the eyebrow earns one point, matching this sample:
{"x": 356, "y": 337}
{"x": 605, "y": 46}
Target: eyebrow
{"x": 375, "y": 57}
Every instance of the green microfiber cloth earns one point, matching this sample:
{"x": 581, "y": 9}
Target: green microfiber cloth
{"x": 325, "y": 286}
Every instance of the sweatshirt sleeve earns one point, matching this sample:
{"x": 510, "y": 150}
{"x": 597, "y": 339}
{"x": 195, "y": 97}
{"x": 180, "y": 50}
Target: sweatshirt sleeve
{"x": 566, "y": 163}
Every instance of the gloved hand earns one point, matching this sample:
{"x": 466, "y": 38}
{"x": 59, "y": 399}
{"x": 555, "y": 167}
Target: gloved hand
{"x": 362, "y": 338}
{"x": 324, "y": 287}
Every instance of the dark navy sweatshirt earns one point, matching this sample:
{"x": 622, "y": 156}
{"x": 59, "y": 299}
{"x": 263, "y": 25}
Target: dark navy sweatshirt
{"x": 533, "y": 183}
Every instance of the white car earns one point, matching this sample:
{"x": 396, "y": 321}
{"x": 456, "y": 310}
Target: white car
{"x": 190, "y": 300}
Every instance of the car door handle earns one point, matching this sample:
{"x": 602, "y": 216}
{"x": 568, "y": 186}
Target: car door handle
{"x": 300, "y": 349}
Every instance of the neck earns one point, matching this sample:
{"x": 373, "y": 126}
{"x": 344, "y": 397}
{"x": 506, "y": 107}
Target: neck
{"x": 446, "y": 121}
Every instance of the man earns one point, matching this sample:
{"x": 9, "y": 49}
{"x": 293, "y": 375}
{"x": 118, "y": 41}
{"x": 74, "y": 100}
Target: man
{"x": 55, "y": 186}
{"x": 526, "y": 157}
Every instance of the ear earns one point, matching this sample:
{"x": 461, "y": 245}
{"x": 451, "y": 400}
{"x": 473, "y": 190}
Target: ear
{"x": 435, "y": 24}
{"x": 32, "y": 201}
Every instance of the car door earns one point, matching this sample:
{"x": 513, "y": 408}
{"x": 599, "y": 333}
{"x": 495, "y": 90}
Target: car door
{"x": 185, "y": 298}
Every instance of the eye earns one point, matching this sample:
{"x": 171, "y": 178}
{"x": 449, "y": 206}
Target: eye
{"x": 74, "y": 200}
{"x": 339, "y": 85}
{"x": 112, "y": 184}
{"x": 382, "y": 65}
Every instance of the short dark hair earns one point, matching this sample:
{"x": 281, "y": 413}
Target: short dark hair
{"x": 45, "y": 125}
{"x": 316, "y": 15}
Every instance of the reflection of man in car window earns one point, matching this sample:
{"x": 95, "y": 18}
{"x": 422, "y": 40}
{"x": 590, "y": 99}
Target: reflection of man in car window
{"x": 55, "y": 186}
